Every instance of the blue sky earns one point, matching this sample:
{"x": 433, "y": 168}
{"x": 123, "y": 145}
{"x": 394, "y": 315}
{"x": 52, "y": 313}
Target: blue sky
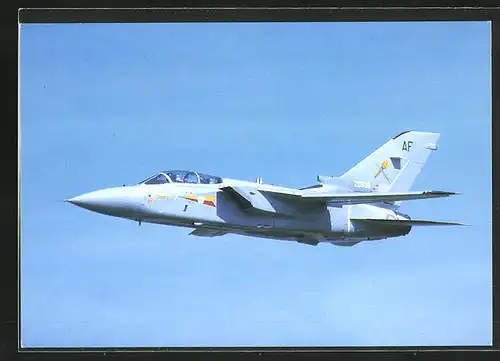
{"x": 103, "y": 105}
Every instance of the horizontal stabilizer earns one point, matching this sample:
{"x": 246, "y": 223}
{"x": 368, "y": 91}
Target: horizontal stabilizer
{"x": 406, "y": 222}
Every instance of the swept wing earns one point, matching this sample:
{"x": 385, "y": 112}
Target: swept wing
{"x": 360, "y": 198}
{"x": 363, "y": 198}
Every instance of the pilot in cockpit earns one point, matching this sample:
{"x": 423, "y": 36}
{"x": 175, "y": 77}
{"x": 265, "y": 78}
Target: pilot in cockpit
{"x": 175, "y": 177}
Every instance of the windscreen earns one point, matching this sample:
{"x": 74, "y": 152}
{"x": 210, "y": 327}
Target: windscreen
{"x": 159, "y": 178}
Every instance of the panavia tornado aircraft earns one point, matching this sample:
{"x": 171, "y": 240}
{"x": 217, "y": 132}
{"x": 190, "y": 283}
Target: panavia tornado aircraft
{"x": 360, "y": 205}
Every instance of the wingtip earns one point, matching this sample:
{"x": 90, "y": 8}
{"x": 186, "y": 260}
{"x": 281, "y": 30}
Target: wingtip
{"x": 460, "y": 224}
{"x": 445, "y": 193}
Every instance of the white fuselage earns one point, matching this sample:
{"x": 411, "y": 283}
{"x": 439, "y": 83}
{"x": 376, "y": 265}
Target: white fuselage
{"x": 207, "y": 206}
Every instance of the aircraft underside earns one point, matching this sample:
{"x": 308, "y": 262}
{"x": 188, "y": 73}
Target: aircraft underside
{"x": 310, "y": 237}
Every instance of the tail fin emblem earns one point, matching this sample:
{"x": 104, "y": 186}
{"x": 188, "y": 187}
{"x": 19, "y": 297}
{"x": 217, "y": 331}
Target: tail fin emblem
{"x": 383, "y": 166}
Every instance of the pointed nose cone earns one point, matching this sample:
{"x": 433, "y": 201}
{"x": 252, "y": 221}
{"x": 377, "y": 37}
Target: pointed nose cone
{"x": 82, "y": 200}
{"x": 111, "y": 201}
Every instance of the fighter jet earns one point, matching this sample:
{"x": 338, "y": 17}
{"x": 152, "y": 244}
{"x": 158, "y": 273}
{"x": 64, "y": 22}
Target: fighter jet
{"x": 360, "y": 205}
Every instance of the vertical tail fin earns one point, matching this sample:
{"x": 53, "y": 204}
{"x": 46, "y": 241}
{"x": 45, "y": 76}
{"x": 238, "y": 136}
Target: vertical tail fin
{"x": 396, "y": 164}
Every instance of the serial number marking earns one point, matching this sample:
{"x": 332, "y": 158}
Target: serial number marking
{"x": 359, "y": 184}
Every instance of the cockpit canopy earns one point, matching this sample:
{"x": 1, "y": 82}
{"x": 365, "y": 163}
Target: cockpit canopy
{"x": 182, "y": 176}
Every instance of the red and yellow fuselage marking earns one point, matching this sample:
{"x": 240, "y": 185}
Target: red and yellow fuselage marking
{"x": 209, "y": 201}
{"x": 206, "y": 200}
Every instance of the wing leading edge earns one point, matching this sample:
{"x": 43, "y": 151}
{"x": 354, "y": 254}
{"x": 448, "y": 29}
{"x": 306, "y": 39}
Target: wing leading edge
{"x": 364, "y": 198}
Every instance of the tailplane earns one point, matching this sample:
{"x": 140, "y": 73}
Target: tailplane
{"x": 405, "y": 222}
{"x": 396, "y": 164}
